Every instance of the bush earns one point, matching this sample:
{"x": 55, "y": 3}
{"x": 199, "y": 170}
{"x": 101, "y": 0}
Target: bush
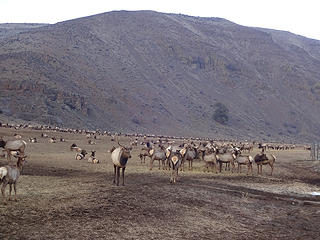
{"x": 221, "y": 113}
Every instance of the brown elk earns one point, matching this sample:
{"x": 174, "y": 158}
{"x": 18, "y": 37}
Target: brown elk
{"x": 264, "y": 159}
{"x": 174, "y": 162}
{"x": 158, "y": 154}
{"x": 10, "y": 175}
{"x": 13, "y": 145}
{"x": 119, "y": 157}
{"x": 210, "y": 159}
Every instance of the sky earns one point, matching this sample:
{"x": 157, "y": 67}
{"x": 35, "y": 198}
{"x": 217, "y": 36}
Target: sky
{"x": 297, "y": 16}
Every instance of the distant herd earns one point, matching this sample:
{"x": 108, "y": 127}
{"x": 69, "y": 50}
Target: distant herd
{"x": 165, "y": 149}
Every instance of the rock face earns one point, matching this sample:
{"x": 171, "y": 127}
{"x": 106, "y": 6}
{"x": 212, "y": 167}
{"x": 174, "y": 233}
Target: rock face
{"x": 162, "y": 73}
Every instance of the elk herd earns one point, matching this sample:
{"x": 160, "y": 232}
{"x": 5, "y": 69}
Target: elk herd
{"x": 171, "y": 156}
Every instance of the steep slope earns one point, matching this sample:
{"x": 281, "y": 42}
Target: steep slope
{"x": 163, "y": 73}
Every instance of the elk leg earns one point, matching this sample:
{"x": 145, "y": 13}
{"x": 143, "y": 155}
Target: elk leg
{"x": 151, "y": 163}
{"x": 175, "y": 176}
{"x": 271, "y": 165}
{"x": 118, "y": 175}
{"x": 123, "y": 169}
{"x": 4, "y": 193}
{"x": 172, "y": 175}
{"x": 10, "y": 190}
{"x": 15, "y": 191}
{"x": 115, "y": 173}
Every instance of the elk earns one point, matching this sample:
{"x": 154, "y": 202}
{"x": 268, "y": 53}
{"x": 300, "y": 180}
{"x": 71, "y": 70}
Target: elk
{"x": 158, "y": 154}
{"x": 189, "y": 153}
{"x": 52, "y": 140}
{"x": 13, "y": 145}
{"x": 174, "y": 162}
{"x": 227, "y": 157}
{"x": 81, "y": 155}
{"x": 33, "y": 140}
{"x": 17, "y": 136}
{"x": 244, "y": 160}
{"x": 92, "y": 158}
{"x": 10, "y": 175}
{"x": 264, "y": 159}
{"x": 75, "y": 147}
{"x": 144, "y": 152}
{"x": 119, "y": 157}
{"x": 210, "y": 159}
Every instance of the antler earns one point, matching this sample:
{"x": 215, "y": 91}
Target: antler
{"x": 121, "y": 145}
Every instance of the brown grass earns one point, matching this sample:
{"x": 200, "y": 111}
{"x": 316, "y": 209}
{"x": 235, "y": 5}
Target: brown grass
{"x": 62, "y": 198}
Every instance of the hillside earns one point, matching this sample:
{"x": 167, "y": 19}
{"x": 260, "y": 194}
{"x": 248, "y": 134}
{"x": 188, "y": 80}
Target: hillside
{"x": 163, "y": 73}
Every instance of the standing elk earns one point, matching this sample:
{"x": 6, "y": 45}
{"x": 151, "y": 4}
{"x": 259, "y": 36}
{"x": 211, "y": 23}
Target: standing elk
{"x": 264, "y": 159}
{"x": 10, "y": 175}
{"x": 158, "y": 154}
{"x": 119, "y": 157}
{"x": 210, "y": 159}
{"x": 189, "y": 153}
{"x": 174, "y": 162}
{"x": 144, "y": 152}
{"x": 227, "y": 157}
{"x": 13, "y": 145}
{"x": 244, "y": 160}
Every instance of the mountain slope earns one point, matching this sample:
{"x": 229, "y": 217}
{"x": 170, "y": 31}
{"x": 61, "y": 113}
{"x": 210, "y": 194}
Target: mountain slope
{"x": 163, "y": 73}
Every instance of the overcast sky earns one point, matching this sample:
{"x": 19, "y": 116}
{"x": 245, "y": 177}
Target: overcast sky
{"x": 300, "y": 17}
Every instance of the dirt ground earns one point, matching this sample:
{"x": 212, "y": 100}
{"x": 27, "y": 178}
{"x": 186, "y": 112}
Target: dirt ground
{"x": 63, "y": 198}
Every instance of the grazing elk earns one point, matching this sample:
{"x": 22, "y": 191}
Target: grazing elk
{"x": 264, "y": 159}
{"x": 13, "y": 145}
{"x": 10, "y": 175}
{"x": 119, "y": 157}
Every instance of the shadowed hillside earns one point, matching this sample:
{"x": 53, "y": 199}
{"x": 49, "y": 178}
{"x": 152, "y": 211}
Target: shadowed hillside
{"x": 163, "y": 73}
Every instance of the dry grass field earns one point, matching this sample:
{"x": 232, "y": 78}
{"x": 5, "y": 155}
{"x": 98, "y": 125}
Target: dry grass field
{"x": 62, "y": 198}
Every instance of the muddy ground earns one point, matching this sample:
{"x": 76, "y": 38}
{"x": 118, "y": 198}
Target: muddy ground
{"x": 62, "y": 198}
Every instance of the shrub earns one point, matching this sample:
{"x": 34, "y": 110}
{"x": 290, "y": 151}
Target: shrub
{"x": 221, "y": 113}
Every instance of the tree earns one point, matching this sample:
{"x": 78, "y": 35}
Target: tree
{"x": 221, "y": 113}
